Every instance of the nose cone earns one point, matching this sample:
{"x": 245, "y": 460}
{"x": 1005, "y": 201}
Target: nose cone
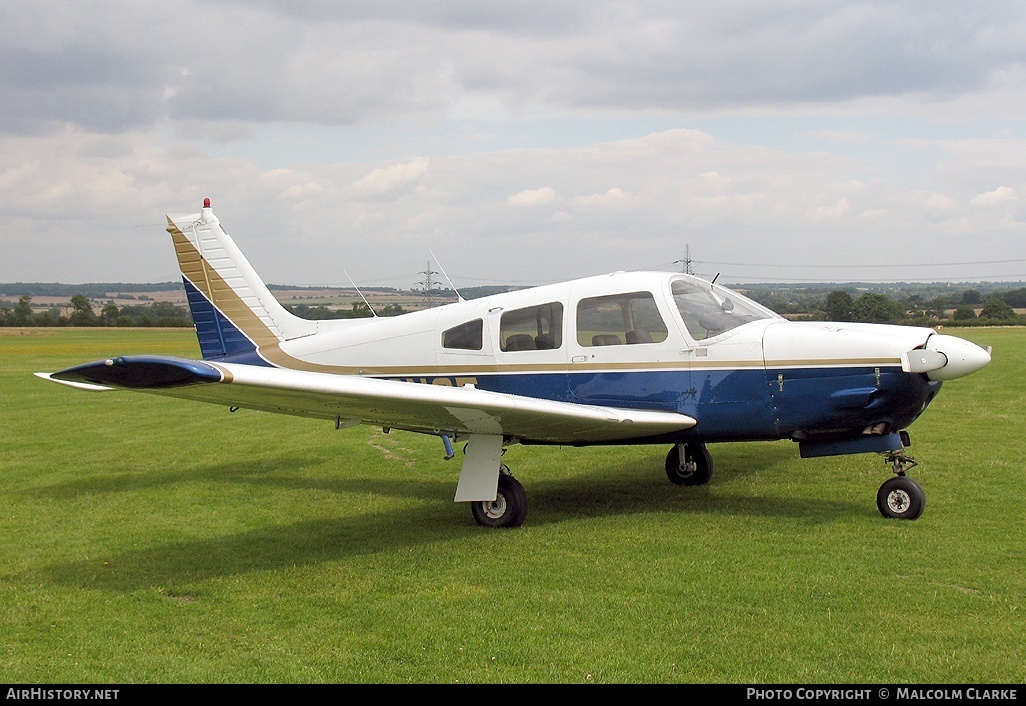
{"x": 963, "y": 357}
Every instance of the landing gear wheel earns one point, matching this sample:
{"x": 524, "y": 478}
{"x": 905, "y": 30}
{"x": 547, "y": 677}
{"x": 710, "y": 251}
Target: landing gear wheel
{"x": 901, "y": 498}
{"x": 509, "y": 509}
{"x": 696, "y": 468}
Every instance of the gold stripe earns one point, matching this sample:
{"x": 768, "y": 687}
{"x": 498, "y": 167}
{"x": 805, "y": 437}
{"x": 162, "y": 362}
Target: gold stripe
{"x": 831, "y": 362}
{"x": 470, "y": 370}
{"x": 211, "y": 285}
{"x": 226, "y": 375}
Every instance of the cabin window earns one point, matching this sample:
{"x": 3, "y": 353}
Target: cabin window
{"x": 619, "y": 319}
{"x": 532, "y": 329}
{"x": 708, "y": 310}
{"x": 465, "y": 336}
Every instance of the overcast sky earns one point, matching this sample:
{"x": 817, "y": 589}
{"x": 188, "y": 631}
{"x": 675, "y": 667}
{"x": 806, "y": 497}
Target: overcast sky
{"x": 519, "y": 142}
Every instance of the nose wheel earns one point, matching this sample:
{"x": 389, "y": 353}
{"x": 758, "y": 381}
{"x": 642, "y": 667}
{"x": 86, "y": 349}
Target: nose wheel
{"x": 900, "y": 497}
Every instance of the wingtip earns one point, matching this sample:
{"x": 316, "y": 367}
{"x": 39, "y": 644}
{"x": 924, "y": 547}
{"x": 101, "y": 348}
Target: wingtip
{"x": 89, "y": 387}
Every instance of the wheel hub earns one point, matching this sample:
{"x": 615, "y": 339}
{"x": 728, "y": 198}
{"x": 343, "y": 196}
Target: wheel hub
{"x": 496, "y": 508}
{"x": 898, "y": 500}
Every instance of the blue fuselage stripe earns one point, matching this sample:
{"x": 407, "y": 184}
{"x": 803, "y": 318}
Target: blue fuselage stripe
{"x": 746, "y": 403}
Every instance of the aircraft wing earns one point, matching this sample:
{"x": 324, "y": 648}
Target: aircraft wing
{"x": 350, "y": 399}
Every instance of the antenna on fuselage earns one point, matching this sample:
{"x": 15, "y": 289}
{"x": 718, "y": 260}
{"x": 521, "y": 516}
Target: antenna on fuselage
{"x": 373, "y": 313}
{"x": 442, "y": 270}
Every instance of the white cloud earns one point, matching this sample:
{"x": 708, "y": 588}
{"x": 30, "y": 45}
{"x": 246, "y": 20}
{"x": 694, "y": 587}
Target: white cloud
{"x": 390, "y": 180}
{"x": 833, "y": 211}
{"x": 1002, "y": 194}
{"x": 614, "y": 197}
{"x": 533, "y": 197}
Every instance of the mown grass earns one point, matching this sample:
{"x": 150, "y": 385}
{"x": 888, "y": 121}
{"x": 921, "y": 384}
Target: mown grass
{"x": 153, "y": 540}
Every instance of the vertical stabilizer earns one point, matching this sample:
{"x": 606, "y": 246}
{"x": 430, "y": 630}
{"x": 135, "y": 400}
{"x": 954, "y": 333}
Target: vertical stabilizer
{"x": 236, "y": 316}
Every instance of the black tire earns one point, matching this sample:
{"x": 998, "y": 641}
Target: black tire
{"x": 693, "y": 453}
{"x": 509, "y": 509}
{"x": 901, "y": 498}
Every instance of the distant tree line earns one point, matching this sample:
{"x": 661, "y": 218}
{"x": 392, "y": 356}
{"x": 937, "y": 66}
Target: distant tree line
{"x": 965, "y": 308}
{"x": 93, "y": 290}
{"x": 80, "y": 312}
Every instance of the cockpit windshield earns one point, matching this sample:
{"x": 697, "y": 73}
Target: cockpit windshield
{"x": 709, "y": 310}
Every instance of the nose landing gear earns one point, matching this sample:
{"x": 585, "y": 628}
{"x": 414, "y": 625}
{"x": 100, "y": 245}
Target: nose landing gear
{"x": 900, "y": 497}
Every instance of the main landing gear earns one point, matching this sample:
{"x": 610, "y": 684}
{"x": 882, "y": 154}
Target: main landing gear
{"x": 900, "y": 497}
{"x": 689, "y": 464}
{"x": 509, "y": 509}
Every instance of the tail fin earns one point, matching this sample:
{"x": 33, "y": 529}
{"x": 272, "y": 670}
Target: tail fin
{"x": 236, "y": 316}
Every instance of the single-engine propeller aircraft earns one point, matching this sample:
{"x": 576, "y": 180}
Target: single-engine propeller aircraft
{"x": 624, "y": 358}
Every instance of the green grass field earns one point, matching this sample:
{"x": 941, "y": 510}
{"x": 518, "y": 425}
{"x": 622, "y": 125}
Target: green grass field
{"x": 154, "y": 540}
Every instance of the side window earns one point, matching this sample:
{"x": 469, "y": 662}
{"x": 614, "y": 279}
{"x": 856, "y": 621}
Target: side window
{"x": 531, "y": 329}
{"x": 619, "y": 319}
{"x": 465, "y": 336}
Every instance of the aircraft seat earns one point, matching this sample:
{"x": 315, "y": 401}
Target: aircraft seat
{"x": 545, "y": 341}
{"x": 638, "y": 336}
{"x": 520, "y": 342}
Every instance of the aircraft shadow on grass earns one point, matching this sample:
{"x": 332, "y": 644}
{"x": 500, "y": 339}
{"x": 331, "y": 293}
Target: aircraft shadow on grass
{"x": 595, "y": 494}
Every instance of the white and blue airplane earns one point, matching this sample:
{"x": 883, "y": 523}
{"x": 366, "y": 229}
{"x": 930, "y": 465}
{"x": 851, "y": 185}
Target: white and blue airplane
{"x": 624, "y": 358}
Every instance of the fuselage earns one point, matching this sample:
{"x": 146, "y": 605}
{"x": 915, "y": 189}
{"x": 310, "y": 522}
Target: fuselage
{"x": 648, "y": 340}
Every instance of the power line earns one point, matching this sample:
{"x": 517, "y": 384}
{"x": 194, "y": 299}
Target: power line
{"x": 869, "y": 280}
{"x": 874, "y": 265}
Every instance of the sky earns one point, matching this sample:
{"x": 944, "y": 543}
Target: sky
{"x": 518, "y": 142}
